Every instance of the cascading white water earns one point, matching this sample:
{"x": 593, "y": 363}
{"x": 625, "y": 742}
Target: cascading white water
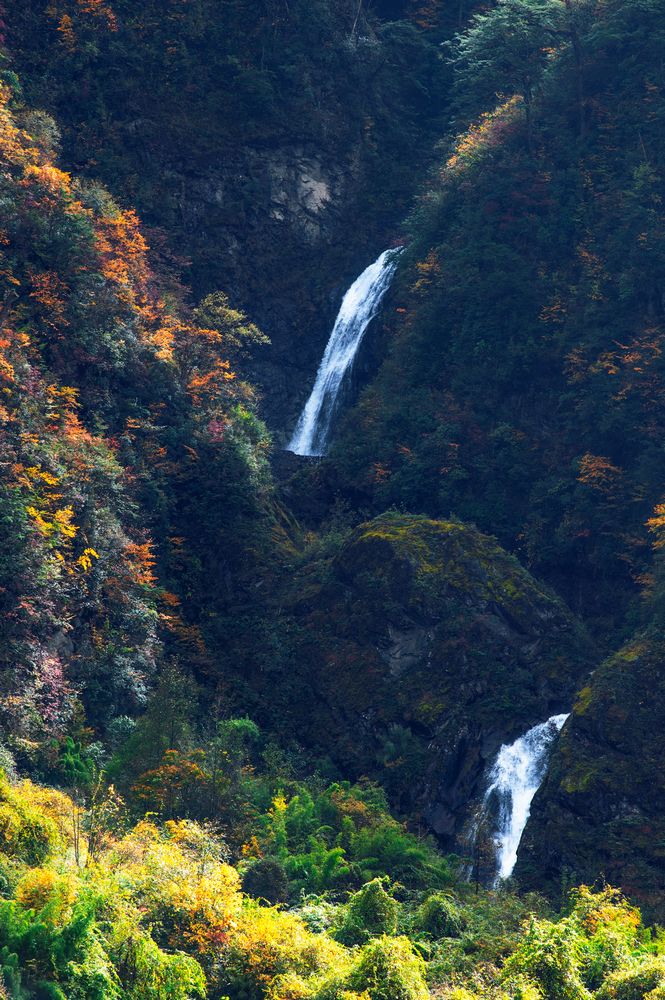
{"x": 359, "y": 307}
{"x": 516, "y": 776}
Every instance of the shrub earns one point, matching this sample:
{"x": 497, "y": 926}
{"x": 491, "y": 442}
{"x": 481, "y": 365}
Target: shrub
{"x": 439, "y": 916}
{"x": 610, "y": 927}
{"x": 550, "y": 955}
{"x": 389, "y": 969}
{"x": 634, "y": 983}
{"x": 370, "y": 913}
{"x": 389, "y": 848}
{"x": 26, "y": 832}
{"x": 267, "y": 945}
{"x": 266, "y": 879}
{"x": 41, "y": 887}
{"x": 157, "y": 975}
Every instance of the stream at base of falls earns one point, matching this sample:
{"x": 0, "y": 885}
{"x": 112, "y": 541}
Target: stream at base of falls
{"x": 516, "y": 775}
{"x": 359, "y": 307}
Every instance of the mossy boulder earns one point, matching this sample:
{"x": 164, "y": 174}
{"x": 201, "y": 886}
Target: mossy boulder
{"x": 423, "y": 647}
{"x": 600, "y": 812}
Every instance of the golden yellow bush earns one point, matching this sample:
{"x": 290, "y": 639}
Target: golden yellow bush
{"x": 31, "y": 827}
{"x": 40, "y": 886}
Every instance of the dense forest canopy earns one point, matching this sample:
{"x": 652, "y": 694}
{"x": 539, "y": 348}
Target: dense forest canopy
{"x": 385, "y": 724}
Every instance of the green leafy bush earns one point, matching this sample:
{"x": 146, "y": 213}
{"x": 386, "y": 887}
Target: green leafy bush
{"x": 635, "y": 982}
{"x": 371, "y": 912}
{"x": 389, "y": 969}
{"x": 26, "y": 833}
{"x": 439, "y": 916}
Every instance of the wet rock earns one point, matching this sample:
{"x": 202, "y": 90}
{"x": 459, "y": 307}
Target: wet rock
{"x": 599, "y": 813}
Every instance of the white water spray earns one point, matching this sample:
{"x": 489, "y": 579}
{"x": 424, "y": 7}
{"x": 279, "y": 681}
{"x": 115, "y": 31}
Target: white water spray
{"x": 516, "y": 776}
{"x": 359, "y": 307}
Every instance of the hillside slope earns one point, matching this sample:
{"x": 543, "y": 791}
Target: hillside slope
{"x": 599, "y": 814}
{"x": 416, "y": 650}
{"x": 175, "y": 642}
{"x": 523, "y": 387}
{"x": 117, "y": 406}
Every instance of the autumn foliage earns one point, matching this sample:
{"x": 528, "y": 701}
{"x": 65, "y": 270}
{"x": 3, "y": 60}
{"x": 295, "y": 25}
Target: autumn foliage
{"x": 89, "y": 353}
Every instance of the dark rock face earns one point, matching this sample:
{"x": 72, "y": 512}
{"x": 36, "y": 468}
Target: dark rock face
{"x": 600, "y": 811}
{"x": 434, "y": 644}
{"x": 274, "y": 229}
{"x": 284, "y": 258}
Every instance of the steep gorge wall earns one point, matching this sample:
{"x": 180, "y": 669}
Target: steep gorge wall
{"x": 276, "y": 149}
{"x": 599, "y": 814}
{"x": 415, "y": 652}
{"x": 433, "y": 658}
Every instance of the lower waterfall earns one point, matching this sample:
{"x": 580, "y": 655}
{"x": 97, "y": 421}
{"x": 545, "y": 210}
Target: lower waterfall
{"x": 514, "y": 779}
{"x": 359, "y": 307}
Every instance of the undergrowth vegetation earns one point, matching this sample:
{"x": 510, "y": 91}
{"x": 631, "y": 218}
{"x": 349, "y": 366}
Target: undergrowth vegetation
{"x": 156, "y": 909}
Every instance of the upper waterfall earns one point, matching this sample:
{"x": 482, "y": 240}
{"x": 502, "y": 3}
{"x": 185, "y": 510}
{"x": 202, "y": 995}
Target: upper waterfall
{"x": 359, "y": 307}
{"x": 515, "y": 777}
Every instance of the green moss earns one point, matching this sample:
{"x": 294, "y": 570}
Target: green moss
{"x": 579, "y": 778}
{"x": 583, "y": 700}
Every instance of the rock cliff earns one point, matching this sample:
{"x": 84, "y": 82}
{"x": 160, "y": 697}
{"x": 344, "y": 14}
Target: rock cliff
{"x": 599, "y": 813}
{"x": 427, "y": 646}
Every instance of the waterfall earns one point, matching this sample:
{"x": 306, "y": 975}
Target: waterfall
{"x": 359, "y": 307}
{"x": 514, "y": 779}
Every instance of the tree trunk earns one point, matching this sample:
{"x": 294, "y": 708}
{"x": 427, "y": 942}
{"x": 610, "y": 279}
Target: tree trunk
{"x": 579, "y": 69}
{"x": 529, "y": 119}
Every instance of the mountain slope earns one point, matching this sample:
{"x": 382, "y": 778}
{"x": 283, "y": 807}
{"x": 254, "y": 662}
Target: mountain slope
{"x": 417, "y": 648}
{"x": 523, "y": 384}
{"x": 156, "y": 590}
{"x": 116, "y": 406}
{"x": 275, "y": 147}
{"x": 599, "y": 814}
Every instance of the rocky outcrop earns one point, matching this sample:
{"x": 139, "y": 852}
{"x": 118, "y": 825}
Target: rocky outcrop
{"x": 426, "y": 647}
{"x": 303, "y": 190}
{"x": 599, "y": 813}
{"x": 269, "y": 226}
